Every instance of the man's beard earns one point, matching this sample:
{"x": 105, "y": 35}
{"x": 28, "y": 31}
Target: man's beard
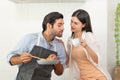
{"x": 59, "y": 35}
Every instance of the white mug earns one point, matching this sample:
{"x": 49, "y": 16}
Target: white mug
{"x": 75, "y": 42}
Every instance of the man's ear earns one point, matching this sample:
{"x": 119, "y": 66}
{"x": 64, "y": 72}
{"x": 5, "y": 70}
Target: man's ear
{"x": 49, "y": 25}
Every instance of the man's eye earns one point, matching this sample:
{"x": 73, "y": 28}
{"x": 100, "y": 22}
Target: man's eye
{"x": 59, "y": 25}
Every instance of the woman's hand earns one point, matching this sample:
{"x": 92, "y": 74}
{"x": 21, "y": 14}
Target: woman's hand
{"x": 83, "y": 42}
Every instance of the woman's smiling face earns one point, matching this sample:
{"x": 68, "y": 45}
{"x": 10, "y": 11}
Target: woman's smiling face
{"x": 76, "y": 25}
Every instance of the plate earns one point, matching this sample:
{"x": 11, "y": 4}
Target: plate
{"x": 45, "y": 62}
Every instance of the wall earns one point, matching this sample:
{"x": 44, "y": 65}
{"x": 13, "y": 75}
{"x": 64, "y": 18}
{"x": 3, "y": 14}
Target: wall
{"x": 19, "y": 19}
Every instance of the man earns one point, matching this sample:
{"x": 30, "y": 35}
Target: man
{"x": 47, "y": 47}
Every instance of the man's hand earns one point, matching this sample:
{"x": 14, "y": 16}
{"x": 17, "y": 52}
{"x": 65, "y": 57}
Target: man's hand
{"x": 52, "y": 57}
{"x": 25, "y": 57}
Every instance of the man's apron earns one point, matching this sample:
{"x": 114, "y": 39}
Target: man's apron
{"x": 33, "y": 70}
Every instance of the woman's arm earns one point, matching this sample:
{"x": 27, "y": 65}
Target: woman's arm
{"x": 90, "y": 51}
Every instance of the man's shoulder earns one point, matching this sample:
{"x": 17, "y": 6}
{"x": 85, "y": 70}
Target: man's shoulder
{"x": 31, "y": 35}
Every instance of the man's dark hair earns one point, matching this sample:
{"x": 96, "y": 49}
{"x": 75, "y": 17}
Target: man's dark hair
{"x": 50, "y": 18}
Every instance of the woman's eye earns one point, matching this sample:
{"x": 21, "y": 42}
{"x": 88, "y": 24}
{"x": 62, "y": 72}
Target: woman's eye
{"x": 75, "y": 23}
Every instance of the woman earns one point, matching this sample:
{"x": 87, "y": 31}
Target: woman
{"x": 83, "y": 50}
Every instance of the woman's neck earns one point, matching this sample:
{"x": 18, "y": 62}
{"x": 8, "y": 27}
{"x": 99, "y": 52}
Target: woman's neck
{"x": 77, "y": 35}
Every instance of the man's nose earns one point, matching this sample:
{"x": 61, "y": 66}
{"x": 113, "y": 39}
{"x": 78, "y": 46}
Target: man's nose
{"x": 62, "y": 28}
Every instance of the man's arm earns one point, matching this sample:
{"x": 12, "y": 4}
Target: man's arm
{"x": 58, "y": 69}
{"x": 23, "y": 58}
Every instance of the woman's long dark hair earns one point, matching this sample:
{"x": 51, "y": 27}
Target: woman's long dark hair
{"x": 83, "y": 17}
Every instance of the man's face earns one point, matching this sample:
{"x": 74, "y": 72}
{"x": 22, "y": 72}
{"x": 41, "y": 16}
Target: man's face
{"x": 58, "y": 27}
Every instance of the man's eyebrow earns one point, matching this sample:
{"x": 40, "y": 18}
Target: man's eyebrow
{"x": 60, "y": 23}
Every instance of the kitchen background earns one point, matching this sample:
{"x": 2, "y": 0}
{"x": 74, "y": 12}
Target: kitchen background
{"x": 18, "y": 18}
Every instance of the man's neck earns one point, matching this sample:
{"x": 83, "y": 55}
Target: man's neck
{"x": 48, "y": 37}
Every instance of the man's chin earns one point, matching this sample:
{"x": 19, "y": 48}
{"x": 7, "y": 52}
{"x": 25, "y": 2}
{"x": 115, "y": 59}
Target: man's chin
{"x": 59, "y": 36}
